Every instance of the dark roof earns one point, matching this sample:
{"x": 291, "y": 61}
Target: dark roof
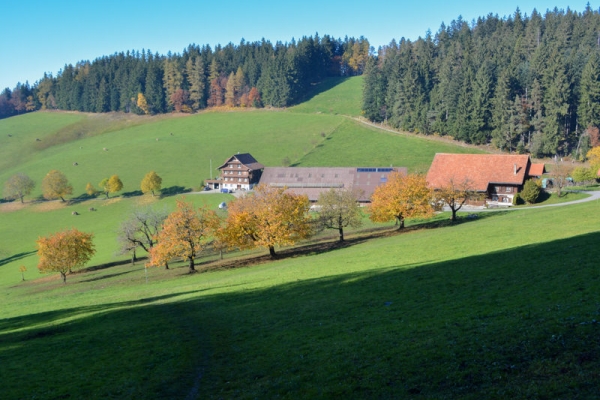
{"x": 479, "y": 169}
{"x": 245, "y": 159}
{"x": 311, "y": 181}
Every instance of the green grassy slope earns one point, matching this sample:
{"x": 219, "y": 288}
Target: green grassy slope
{"x": 502, "y": 306}
{"x": 334, "y": 96}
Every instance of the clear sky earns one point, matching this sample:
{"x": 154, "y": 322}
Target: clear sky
{"x": 42, "y": 36}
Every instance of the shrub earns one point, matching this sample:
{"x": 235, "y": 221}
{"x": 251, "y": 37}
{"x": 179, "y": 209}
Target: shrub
{"x": 517, "y": 200}
{"x": 531, "y": 191}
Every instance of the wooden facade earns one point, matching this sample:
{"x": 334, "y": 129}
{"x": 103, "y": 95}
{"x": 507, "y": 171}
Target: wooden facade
{"x": 238, "y": 172}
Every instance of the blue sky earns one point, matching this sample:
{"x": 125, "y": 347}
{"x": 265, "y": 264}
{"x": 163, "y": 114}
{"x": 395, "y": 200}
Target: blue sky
{"x": 43, "y": 36}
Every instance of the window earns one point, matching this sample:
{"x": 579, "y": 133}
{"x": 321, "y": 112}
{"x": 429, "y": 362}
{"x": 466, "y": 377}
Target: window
{"x": 245, "y": 179}
{"x": 508, "y": 189}
{"x": 239, "y": 172}
{"x": 239, "y": 165}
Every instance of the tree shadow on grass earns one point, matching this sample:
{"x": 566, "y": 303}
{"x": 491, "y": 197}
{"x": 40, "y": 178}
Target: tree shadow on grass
{"x": 80, "y": 199}
{"x": 133, "y": 193}
{"x": 476, "y": 327}
{"x": 326, "y": 245}
{"x": 174, "y": 191}
{"x": 543, "y": 196}
{"x": 16, "y": 257}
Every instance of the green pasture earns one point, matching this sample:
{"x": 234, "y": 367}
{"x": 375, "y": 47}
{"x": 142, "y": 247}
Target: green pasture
{"x": 501, "y": 306}
{"x": 334, "y": 96}
{"x": 355, "y": 144}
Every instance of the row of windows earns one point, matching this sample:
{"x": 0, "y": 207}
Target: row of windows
{"x": 238, "y": 179}
{"x": 233, "y": 166}
{"x": 231, "y": 172}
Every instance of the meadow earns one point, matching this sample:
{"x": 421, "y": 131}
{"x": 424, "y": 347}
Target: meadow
{"x": 504, "y": 305}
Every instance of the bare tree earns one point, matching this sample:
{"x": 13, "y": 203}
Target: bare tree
{"x": 140, "y": 229}
{"x": 455, "y": 194}
{"x": 560, "y": 172}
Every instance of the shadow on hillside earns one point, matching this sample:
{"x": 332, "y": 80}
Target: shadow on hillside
{"x": 16, "y": 257}
{"x": 320, "y": 87}
{"x": 80, "y": 199}
{"x": 132, "y": 194}
{"x": 109, "y": 265}
{"x": 476, "y": 327}
{"x": 174, "y": 191}
{"x": 325, "y": 245}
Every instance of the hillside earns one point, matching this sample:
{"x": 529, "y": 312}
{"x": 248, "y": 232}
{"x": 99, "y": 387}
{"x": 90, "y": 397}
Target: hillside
{"x": 180, "y": 148}
{"x": 503, "y": 305}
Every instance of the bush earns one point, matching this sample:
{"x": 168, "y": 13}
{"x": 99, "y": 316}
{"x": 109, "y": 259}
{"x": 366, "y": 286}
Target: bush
{"x": 517, "y": 200}
{"x": 531, "y": 191}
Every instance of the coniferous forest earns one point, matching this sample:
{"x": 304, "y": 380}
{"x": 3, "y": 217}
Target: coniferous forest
{"x": 523, "y": 83}
{"x": 250, "y": 74}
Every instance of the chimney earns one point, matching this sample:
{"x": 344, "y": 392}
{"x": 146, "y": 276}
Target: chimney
{"x": 515, "y": 169}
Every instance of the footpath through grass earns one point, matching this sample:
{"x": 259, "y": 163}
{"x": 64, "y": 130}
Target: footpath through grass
{"x": 502, "y": 306}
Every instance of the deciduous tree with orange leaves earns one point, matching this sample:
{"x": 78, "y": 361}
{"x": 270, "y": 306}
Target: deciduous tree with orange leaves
{"x": 401, "y": 197}
{"x": 184, "y": 234}
{"x": 65, "y": 251}
{"x": 267, "y": 218}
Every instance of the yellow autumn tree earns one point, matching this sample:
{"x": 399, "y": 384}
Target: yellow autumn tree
{"x": 267, "y": 218}
{"x": 151, "y": 182}
{"x": 185, "y": 233}
{"x": 401, "y": 197}
{"x": 64, "y": 251}
{"x": 90, "y": 189}
{"x": 111, "y": 185}
{"x": 55, "y": 185}
{"x": 142, "y": 103}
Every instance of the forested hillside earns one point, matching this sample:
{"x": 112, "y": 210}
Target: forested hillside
{"x": 249, "y": 74}
{"x": 526, "y": 83}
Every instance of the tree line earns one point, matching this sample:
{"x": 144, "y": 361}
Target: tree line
{"x": 249, "y": 74}
{"x": 521, "y": 83}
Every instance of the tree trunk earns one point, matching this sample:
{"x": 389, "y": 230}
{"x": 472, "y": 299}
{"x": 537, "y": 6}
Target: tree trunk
{"x": 453, "y": 218}
{"x": 341, "y": 230}
{"x": 22, "y": 202}
{"x": 400, "y": 222}
{"x": 272, "y": 252}
{"x": 64, "y": 276}
{"x": 192, "y": 267}
{"x": 166, "y": 265}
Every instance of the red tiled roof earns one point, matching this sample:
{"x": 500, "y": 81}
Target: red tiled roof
{"x": 536, "y": 169}
{"x": 479, "y": 169}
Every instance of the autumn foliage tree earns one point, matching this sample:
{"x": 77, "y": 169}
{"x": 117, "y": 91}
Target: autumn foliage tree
{"x": 111, "y": 185}
{"x": 65, "y": 251}
{"x": 185, "y": 233}
{"x": 151, "y": 182}
{"x": 267, "y": 218}
{"x": 401, "y": 197}
{"x": 339, "y": 209}
{"x": 56, "y": 186}
{"x": 18, "y": 186}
